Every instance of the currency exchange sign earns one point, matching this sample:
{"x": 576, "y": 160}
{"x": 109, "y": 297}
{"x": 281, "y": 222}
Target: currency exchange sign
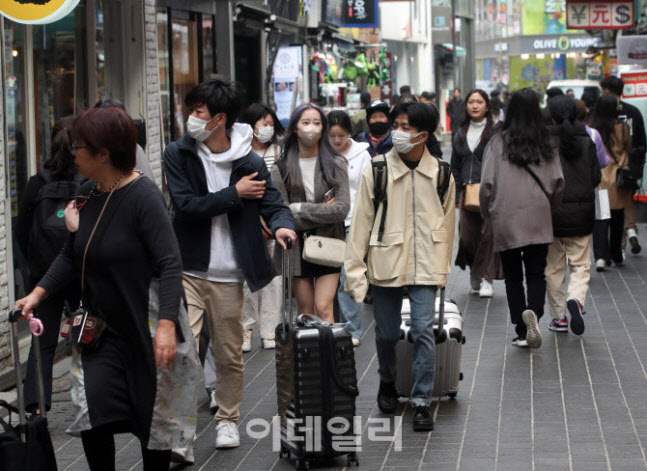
{"x": 614, "y": 14}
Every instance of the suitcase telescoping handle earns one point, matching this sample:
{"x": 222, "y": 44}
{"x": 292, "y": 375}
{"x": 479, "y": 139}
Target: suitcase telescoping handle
{"x": 442, "y": 335}
{"x": 14, "y": 317}
{"x": 286, "y": 276}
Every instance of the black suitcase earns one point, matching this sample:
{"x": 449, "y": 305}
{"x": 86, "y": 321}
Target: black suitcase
{"x": 316, "y": 385}
{"x": 28, "y": 445}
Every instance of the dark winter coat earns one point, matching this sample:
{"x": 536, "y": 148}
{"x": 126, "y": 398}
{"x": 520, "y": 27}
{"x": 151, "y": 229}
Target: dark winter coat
{"x": 383, "y": 146}
{"x": 466, "y": 165}
{"x": 194, "y": 207}
{"x": 576, "y": 215}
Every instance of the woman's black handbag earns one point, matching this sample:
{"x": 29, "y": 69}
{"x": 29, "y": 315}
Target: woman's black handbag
{"x": 625, "y": 179}
{"x": 26, "y": 446}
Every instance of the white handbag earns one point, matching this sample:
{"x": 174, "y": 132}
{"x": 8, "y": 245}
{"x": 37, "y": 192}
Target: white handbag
{"x": 324, "y": 251}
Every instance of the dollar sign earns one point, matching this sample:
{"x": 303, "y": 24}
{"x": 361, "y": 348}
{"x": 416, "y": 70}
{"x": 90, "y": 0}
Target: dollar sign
{"x": 622, "y": 14}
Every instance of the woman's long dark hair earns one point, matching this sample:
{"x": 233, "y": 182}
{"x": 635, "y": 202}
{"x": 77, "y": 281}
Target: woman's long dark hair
{"x": 258, "y": 111}
{"x": 488, "y": 116}
{"x": 61, "y": 160}
{"x": 604, "y": 119}
{"x": 525, "y": 136}
{"x": 563, "y": 110}
{"x": 291, "y": 155}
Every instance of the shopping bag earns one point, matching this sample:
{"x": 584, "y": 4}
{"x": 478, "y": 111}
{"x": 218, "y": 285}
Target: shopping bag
{"x": 602, "y": 208}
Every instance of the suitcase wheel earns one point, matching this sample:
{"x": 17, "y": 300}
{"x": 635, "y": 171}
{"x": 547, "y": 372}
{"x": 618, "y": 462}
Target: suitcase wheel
{"x": 452, "y": 396}
{"x": 460, "y": 376}
{"x": 352, "y": 458}
{"x": 284, "y": 453}
{"x": 303, "y": 465}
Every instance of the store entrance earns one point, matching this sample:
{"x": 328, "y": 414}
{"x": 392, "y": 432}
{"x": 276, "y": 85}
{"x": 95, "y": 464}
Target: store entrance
{"x": 248, "y": 66}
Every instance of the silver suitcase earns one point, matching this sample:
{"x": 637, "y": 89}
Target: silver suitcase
{"x": 449, "y": 348}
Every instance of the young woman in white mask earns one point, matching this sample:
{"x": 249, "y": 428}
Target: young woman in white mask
{"x": 264, "y": 306}
{"x": 313, "y": 178}
{"x": 268, "y": 131}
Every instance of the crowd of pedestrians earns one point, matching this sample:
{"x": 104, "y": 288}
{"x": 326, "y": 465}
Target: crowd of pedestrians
{"x": 147, "y": 275}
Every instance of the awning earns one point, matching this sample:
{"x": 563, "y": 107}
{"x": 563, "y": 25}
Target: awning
{"x": 460, "y": 51}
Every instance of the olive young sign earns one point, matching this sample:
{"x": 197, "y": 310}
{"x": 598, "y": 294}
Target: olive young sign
{"x": 560, "y": 44}
{"x": 37, "y": 12}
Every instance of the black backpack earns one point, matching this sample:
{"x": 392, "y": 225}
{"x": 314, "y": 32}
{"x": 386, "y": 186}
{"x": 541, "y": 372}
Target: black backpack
{"x": 380, "y": 178}
{"x": 48, "y": 232}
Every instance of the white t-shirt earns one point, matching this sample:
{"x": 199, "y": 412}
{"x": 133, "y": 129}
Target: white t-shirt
{"x": 308, "y": 165}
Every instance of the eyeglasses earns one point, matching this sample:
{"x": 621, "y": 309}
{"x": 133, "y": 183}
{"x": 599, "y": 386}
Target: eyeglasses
{"x": 74, "y": 147}
{"x": 79, "y": 202}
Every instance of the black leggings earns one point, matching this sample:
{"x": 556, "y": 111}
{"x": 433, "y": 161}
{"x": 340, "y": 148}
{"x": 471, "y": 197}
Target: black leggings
{"x": 99, "y": 448}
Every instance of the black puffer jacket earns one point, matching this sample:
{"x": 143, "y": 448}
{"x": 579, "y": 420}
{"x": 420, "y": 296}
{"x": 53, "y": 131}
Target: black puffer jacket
{"x": 466, "y": 165}
{"x": 576, "y": 215}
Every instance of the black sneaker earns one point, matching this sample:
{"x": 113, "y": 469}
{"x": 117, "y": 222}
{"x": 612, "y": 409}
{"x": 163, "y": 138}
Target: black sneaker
{"x": 633, "y": 241}
{"x": 387, "y": 398}
{"x": 423, "y": 420}
{"x": 577, "y": 323}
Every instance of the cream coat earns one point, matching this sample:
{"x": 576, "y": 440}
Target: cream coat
{"x": 419, "y": 232}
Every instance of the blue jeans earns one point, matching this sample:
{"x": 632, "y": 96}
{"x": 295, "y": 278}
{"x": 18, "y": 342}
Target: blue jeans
{"x": 387, "y": 306}
{"x": 349, "y": 311}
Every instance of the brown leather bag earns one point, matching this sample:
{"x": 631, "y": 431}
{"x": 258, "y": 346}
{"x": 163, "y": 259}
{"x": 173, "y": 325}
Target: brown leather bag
{"x": 472, "y": 202}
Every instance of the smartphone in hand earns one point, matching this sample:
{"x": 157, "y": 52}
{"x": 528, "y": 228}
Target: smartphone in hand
{"x": 330, "y": 194}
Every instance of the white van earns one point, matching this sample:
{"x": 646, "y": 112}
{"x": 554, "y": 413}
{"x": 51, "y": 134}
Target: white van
{"x": 576, "y": 85}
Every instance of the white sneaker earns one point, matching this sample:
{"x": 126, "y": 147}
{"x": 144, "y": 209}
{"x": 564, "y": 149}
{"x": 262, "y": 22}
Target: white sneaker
{"x": 475, "y": 284}
{"x": 227, "y": 435}
{"x": 600, "y": 265}
{"x": 632, "y": 236}
{"x": 269, "y": 344}
{"x": 355, "y": 342}
{"x": 213, "y": 405}
{"x": 487, "y": 290}
{"x": 247, "y": 340}
{"x": 533, "y": 337}
{"x": 184, "y": 455}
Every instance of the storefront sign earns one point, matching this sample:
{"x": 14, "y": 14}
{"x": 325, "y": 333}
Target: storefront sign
{"x": 37, "y": 12}
{"x": 287, "y": 70}
{"x": 557, "y": 44}
{"x": 616, "y": 14}
{"x": 544, "y": 17}
{"x": 632, "y": 49}
{"x": 635, "y": 84}
{"x": 361, "y": 14}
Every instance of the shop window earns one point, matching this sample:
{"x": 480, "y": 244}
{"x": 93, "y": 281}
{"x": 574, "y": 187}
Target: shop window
{"x": 60, "y": 77}
{"x": 186, "y": 56}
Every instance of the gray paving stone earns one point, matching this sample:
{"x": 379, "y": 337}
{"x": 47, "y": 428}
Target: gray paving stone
{"x": 516, "y": 409}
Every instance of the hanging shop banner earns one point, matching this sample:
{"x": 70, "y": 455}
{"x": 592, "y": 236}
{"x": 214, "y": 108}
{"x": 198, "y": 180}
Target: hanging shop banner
{"x": 540, "y": 17}
{"x": 287, "y": 71}
{"x": 632, "y": 49}
{"x": 360, "y": 14}
{"x": 37, "y": 12}
{"x": 615, "y": 14}
{"x": 635, "y": 84}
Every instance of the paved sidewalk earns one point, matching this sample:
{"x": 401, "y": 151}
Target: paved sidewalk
{"x": 574, "y": 404}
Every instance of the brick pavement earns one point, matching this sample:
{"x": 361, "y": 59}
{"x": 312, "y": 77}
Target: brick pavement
{"x": 574, "y": 404}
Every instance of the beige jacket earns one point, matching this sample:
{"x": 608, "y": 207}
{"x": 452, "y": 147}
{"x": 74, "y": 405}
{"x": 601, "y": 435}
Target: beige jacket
{"x": 621, "y": 145}
{"x": 418, "y": 231}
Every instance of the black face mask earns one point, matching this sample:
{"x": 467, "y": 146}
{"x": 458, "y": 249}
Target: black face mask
{"x": 379, "y": 128}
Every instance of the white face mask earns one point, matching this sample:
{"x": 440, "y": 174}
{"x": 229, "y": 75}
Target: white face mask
{"x": 265, "y": 134}
{"x": 402, "y": 141}
{"x": 196, "y": 128}
{"x": 309, "y": 135}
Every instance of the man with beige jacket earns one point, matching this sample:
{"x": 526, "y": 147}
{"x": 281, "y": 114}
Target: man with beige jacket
{"x": 408, "y": 246}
